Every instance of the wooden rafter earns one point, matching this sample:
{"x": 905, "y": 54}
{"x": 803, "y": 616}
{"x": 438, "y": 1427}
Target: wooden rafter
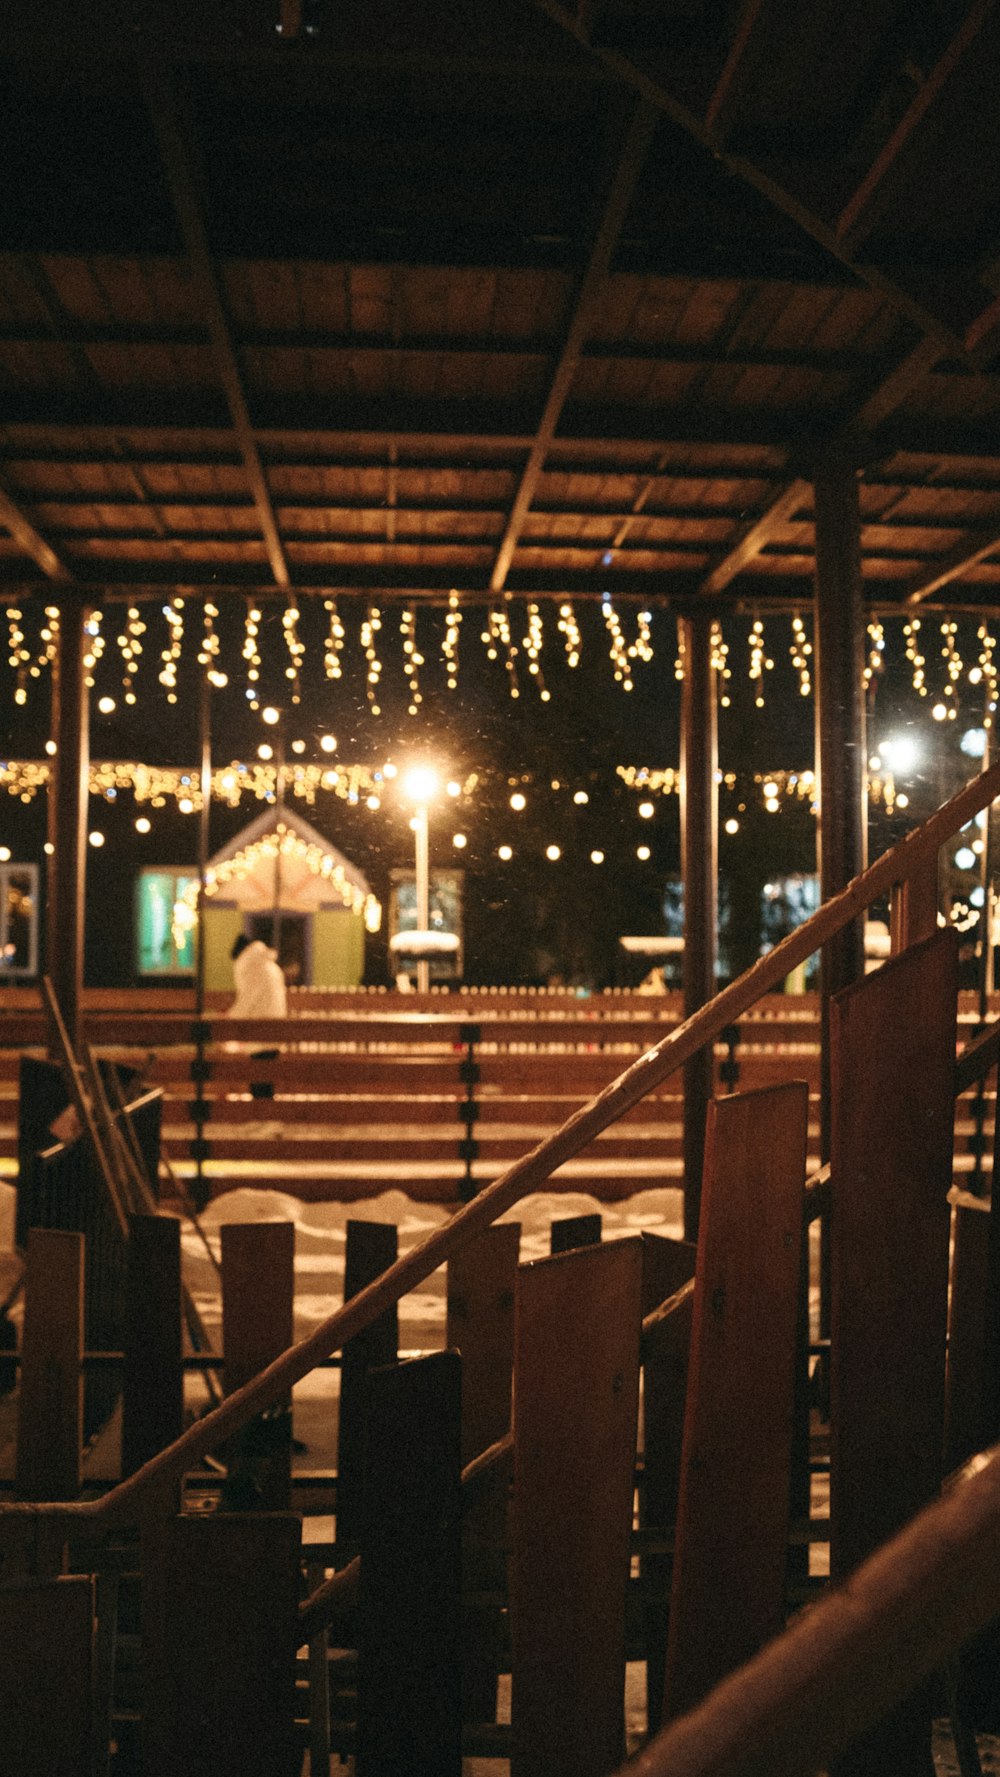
{"x": 718, "y": 104}
{"x": 170, "y": 135}
{"x": 640, "y": 134}
{"x": 29, "y": 539}
{"x": 861, "y": 210}
{"x": 975, "y": 547}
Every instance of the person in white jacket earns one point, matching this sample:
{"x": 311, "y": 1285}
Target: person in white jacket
{"x": 260, "y": 983}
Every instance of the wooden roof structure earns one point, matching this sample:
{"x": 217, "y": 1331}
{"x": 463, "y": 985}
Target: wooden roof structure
{"x": 545, "y": 297}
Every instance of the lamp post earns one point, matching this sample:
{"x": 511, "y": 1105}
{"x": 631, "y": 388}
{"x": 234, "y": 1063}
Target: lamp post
{"x": 420, "y": 784}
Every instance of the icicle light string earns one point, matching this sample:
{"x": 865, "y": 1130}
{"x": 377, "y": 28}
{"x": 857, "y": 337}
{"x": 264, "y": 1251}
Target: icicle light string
{"x": 570, "y": 631}
{"x": 335, "y": 637}
{"x": 619, "y": 651}
{"x": 719, "y": 651}
{"x": 93, "y": 646}
{"x": 130, "y": 649}
{"x": 946, "y": 709}
{"x": 760, "y": 663}
{"x": 251, "y": 652}
{"x": 18, "y": 654}
{"x": 174, "y": 614}
{"x": 413, "y": 660}
{"x": 911, "y": 631}
{"x": 296, "y": 650}
{"x": 208, "y": 653}
{"x": 373, "y": 666}
{"x": 532, "y": 645}
{"x": 875, "y": 661}
{"x": 985, "y": 672}
{"x": 800, "y": 651}
{"x": 449, "y": 644}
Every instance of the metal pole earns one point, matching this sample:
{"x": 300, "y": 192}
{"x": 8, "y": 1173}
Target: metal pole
{"x": 421, "y": 832}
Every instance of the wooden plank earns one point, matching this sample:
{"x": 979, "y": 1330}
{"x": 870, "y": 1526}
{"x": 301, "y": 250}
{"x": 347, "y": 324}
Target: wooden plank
{"x": 892, "y": 1071}
{"x": 728, "y": 1589}
{"x": 576, "y": 1366}
{"x": 409, "y": 1593}
{"x": 666, "y": 1266}
{"x": 370, "y": 1249}
{"x": 152, "y": 1373}
{"x": 50, "y": 1406}
{"x": 46, "y": 1678}
{"x": 480, "y": 1325}
{"x": 965, "y": 1420}
{"x": 229, "y": 1648}
{"x": 258, "y": 1297}
{"x": 568, "y": 1232}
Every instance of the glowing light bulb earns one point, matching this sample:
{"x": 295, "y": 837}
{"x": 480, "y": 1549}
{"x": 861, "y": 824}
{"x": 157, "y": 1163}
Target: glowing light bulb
{"x": 142, "y": 824}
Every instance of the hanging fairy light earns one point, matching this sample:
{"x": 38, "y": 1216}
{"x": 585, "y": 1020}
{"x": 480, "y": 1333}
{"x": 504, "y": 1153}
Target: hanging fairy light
{"x": 719, "y": 653}
{"x": 985, "y": 672}
{"x": 618, "y": 650}
{"x": 335, "y": 637}
{"x": 760, "y": 663}
{"x": 208, "y": 653}
{"x": 911, "y": 631}
{"x": 954, "y": 667}
{"x": 680, "y": 658}
{"x": 532, "y": 645}
{"x": 93, "y": 645}
{"x": 369, "y": 641}
{"x": 413, "y": 660}
{"x": 642, "y": 647}
{"x": 875, "y": 662}
{"x": 800, "y": 649}
{"x": 18, "y": 654}
{"x": 497, "y": 637}
{"x": 251, "y": 652}
{"x": 174, "y": 614}
{"x": 296, "y": 649}
{"x": 130, "y": 648}
{"x": 570, "y": 632}
{"x": 449, "y": 644}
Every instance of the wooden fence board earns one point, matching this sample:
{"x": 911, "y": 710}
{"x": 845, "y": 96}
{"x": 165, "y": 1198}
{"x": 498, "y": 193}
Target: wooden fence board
{"x": 152, "y": 1372}
{"x": 409, "y": 1594}
{"x": 229, "y": 1648}
{"x": 892, "y": 1044}
{"x": 666, "y": 1266}
{"x": 371, "y": 1247}
{"x": 50, "y": 1406}
{"x": 578, "y": 1320}
{"x": 568, "y": 1232}
{"x": 46, "y": 1678}
{"x": 258, "y": 1296}
{"x": 728, "y": 1589}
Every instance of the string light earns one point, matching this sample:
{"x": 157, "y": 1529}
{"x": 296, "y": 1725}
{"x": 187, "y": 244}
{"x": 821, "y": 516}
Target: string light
{"x": 642, "y": 647}
{"x": 285, "y": 843}
{"x": 49, "y": 639}
{"x": 532, "y": 644}
{"x": 680, "y": 658}
{"x": 130, "y": 648}
{"x": 413, "y": 660}
{"x": 954, "y": 665}
{"x": 570, "y": 631}
{"x": 619, "y": 652}
{"x": 335, "y": 638}
{"x": 497, "y": 635}
{"x": 208, "y": 653}
{"x": 251, "y": 652}
{"x": 759, "y": 661}
{"x": 174, "y": 614}
{"x": 296, "y": 649}
{"x": 911, "y": 631}
{"x": 93, "y": 646}
{"x": 985, "y": 672}
{"x": 18, "y": 655}
{"x": 719, "y": 652}
{"x": 875, "y": 663}
{"x": 449, "y": 645}
{"x": 369, "y": 640}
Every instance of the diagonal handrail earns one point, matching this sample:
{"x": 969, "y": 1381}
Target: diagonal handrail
{"x": 531, "y": 1171}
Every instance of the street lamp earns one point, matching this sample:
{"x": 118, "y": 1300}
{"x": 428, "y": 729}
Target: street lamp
{"x": 420, "y": 785}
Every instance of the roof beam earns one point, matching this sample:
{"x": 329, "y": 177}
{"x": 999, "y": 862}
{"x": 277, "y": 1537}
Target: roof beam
{"x": 640, "y": 134}
{"x": 749, "y": 174}
{"x": 29, "y": 539}
{"x": 162, "y": 104}
{"x": 974, "y": 548}
{"x": 717, "y": 109}
{"x": 861, "y": 211}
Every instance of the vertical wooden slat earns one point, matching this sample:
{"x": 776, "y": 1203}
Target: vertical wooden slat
{"x": 371, "y": 1248}
{"x": 152, "y": 1374}
{"x": 409, "y": 1595}
{"x": 728, "y": 1589}
{"x": 480, "y": 1325}
{"x": 50, "y": 1408}
{"x": 965, "y": 1419}
{"x": 666, "y": 1266}
{"x": 576, "y": 1368}
{"x": 913, "y": 908}
{"x": 892, "y": 1072}
{"x": 699, "y": 869}
{"x": 258, "y": 1300}
{"x": 46, "y": 1679}
{"x": 229, "y": 1655}
{"x": 570, "y": 1231}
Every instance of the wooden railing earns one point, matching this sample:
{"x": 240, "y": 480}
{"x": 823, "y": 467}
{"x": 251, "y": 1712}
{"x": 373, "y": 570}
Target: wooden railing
{"x": 32, "y": 1537}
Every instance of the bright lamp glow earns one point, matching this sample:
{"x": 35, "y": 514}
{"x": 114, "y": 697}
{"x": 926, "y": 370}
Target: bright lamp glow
{"x": 973, "y": 742}
{"x": 270, "y": 715}
{"x": 965, "y": 858}
{"x": 420, "y": 783}
{"x": 900, "y": 754}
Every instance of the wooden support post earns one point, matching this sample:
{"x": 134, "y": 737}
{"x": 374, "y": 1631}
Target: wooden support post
{"x": 409, "y": 1593}
{"x": 50, "y": 1408}
{"x": 258, "y": 1300}
{"x": 913, "y": 908}
{"x": 728, "y": 1594}
{"x": 699, "y": 869}
{"x": 892, "y": 1074}
{"x": 568, "y": 1232}
{"x": 481, "y": 1284}
{"x": 576, "y": 1367}
{"x": 371, "y": 1248}
{"x": 153, "y": 1376}
{"x": 67, "y": 814}
{"x": 46, "y": 1679}
{"x": 226, "y": 1676}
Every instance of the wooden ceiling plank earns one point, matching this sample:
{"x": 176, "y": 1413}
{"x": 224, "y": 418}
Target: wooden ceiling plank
{"x": 162, "y": 104}
{"x": 640, "y": 134}
{"x": 717, "y": 109}
{"x": 860, "y": 212}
